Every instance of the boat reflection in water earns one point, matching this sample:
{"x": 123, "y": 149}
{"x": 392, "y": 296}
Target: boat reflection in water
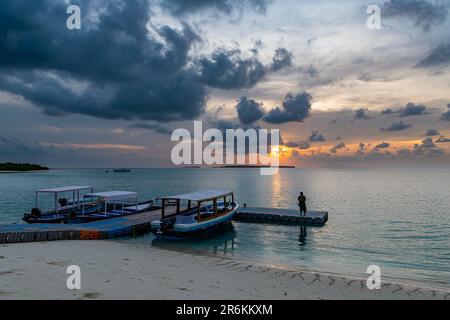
{"x": 223, "y": 243}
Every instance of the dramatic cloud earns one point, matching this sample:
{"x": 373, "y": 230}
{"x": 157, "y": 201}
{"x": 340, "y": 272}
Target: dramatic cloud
{"x": 227, "y": 6}
{"x": 383, "y": 145}
{"x": 337, "y": 147}
{"x": 431, "y": 133}
{"x": 249, "y": 111}
{"x": 409, "y": 110}
{"x": 428, "y": 143}
{"x": 426, "y": 149}
{"x": 282, "y": 59}
{"x": 396, "y": 126}
{"x": 446, "y": 115}
{"x": 439, "y": 56}
{"x": 412, "y": 109}
{"x": 112, "y": 68}
{"x": 423, "y": 13}
{"x": 316, "y": 137}
{"x": 294, "y": 108}
{"x": 361, "y": 114}
{"x": 227, "y": 69}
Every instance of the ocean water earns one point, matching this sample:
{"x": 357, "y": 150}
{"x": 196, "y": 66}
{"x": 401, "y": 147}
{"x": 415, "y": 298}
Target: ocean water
{"x": 398, "y": 219}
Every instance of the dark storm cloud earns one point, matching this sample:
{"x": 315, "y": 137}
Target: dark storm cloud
{"x": 431, "y": 133}
{"x": 180, "y": 7}
{"x": 396, "y": 126}
{"x": 446, "y": 115}
{"x": 316, "y": 137}
{"x": 423, "y": 13}
{"x": 282, "y": 59}
{"x": 361, "y": 114}
{"x": 110, "y": 69}
{"x": 294, "y": 108}
{"x": 249, "y": 110}
{"x": 227, "y": 69}
{"x": 439, "y": 56}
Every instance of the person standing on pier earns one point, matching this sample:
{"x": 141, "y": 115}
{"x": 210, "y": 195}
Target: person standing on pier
{"x": 302, "y": 204}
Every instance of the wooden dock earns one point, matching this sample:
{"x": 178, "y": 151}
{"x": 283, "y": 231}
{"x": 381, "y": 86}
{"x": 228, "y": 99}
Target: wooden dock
{"x": 138, "y": 224}
{"x": 281, "y": 216}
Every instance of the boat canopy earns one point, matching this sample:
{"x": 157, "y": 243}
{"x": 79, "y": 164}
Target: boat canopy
{"x": 200, "y": 196}
{"x": 114, "y": 196}
{"x": 55, "y": 191}
{"x": 65, "y": 189}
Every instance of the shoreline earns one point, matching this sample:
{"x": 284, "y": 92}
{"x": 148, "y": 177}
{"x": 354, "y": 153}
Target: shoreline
{"x": 117, "y": 270}
{"x": 389, "y": 279}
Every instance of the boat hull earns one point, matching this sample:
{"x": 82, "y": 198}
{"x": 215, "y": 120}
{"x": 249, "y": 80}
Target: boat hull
{"x": 60, "y": 217}
{"x": 194, "y": 230}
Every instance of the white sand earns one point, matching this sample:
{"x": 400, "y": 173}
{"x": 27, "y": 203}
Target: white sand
{"x": 112, "y": 270}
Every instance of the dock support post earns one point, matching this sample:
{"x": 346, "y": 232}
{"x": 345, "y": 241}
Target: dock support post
{"x": 198, "y": 211}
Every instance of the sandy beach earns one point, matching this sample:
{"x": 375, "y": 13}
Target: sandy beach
{"x": 113, "y": 270}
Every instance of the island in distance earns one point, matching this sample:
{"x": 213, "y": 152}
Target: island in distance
{"x": 10, "y": 167}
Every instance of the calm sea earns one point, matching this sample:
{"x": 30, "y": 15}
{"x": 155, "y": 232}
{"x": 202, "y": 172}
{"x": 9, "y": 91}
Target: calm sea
{"x": 397, "y": 219}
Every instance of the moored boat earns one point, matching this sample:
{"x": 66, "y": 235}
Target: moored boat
{"x": 114, "y": 204}
{"x": 62, "y": 207}
{"x": 194, "y": 214}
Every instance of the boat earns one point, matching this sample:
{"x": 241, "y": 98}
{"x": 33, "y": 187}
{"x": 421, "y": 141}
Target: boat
{"x": 121, "y": 170}
{"x": 62, "y": 207}
{"x": 196, "y": 214}
{"x": 114, "y": 204}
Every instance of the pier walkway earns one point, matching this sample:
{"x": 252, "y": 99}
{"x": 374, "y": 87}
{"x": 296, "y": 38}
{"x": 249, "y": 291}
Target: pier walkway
{"x": 138, "y": 224}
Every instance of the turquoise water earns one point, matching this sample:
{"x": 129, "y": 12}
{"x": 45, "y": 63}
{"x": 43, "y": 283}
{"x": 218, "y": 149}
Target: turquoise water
{"x": 395, "y": 218}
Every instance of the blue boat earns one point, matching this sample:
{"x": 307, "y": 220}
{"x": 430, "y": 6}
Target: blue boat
{"x": 195, "y": 214}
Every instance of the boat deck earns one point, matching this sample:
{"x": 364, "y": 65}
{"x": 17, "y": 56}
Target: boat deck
{"x": 281, "y": 216}
{"x": 140, "y": 223}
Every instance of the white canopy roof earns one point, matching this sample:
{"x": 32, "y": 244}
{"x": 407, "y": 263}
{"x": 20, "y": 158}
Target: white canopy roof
{"x": 201, "y": 195}
{"x": 65, "y": 189}
{"x": 114, "y": 195}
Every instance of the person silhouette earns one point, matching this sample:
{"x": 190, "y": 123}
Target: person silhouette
{"x": 302, "y": 204}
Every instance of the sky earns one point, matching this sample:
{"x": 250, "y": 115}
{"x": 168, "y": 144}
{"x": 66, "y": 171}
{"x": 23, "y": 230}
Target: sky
{"x": 111, "y": 93}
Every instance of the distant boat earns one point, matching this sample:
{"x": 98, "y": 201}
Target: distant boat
{"x": 206, "y": 212}
{"x": 121, "y": 170}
